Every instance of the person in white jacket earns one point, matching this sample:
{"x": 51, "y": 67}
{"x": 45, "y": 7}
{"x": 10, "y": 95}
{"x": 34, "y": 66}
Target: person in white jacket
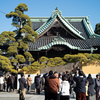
{"x": 64, "y": 89}
{"x": 1, "y": 83}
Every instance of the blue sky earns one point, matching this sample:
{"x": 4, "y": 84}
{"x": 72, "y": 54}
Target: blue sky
{"x": 44, "y": 8}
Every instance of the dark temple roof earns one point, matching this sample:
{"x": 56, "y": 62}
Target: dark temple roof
{"x": 79, "y": 26}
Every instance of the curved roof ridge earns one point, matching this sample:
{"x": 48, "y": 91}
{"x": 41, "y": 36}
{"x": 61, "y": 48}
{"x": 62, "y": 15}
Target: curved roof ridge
{"x": 72, "y": 28}
{"x": 45, "y": 25}
{"x": 54, "y": 14}
{"x": 96, "y": 35}
{"x": 89, "y": 28}
{"x": 62, "y": 42}
{"x": 57, "y": 43}
{"x": 66, "y": 23}
{"x": 71, "y": 25}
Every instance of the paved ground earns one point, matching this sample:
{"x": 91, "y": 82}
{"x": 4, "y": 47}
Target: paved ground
{"x": 30, "y": 96}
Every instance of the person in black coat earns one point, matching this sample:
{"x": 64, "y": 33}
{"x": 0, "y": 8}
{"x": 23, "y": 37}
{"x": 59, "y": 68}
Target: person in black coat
{"x": 22, "y": 87}
{"x": 97, "y": 86}
{"x": 37, "y": 84}
{"x": 12, "y": 82}
{"x": 9, "y": 85}
{"x": 72, "y": 85}
{"x": 91, "y": 83}
{"x": 80, "y": 79}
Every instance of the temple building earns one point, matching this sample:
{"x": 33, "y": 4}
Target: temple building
{"x": 60, "y": 35}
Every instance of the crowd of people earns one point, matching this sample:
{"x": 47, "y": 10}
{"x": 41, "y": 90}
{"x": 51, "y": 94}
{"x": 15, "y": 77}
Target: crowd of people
{"x": 56, "y": 86}
{"x": 62, "y": 86}
{"x": 7, "y": 83}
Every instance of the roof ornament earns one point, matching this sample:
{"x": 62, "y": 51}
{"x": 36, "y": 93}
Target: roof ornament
{"x": 56, "y": 9}
{"x": 55, "y": 12}
{"x": 92, "y": 49}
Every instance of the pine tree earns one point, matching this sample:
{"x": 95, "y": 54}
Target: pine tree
{"x": 17, "y": 42}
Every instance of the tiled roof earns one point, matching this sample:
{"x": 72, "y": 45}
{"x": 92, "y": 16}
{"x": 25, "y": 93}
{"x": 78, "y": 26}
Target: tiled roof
{"x": 79, "y": 26}
{"x": 39, "y": 43}
{"x": 63, "y": 20}
{"x": 36, "y": 25}
{"x": 93, "y": 41}
{"x": 78, "y": 43}
{"x": 81, "y": 44}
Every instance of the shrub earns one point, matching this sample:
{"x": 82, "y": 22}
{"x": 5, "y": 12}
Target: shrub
{"x": 43, "y": 59}
{"x": 24, "y": 68}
